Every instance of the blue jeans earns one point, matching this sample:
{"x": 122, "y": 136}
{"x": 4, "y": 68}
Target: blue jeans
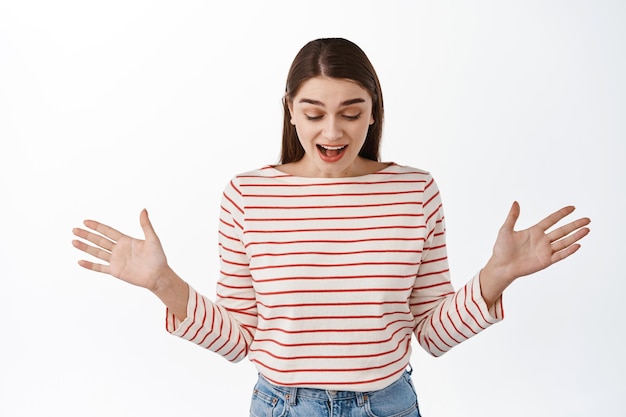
{"x": 397, "y": 400}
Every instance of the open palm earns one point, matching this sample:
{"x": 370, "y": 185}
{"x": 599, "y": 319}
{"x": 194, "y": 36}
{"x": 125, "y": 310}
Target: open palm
{"x": 519, "y": 253}
{"x": 138, "y": 262}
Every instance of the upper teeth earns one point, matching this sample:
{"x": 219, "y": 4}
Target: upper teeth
{"x": 332, "y": 148}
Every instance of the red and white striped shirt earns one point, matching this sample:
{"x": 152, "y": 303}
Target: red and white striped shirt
{"x": 324, "y": 280}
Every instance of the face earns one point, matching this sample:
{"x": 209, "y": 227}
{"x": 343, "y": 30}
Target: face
{"x": 332, "y": 117}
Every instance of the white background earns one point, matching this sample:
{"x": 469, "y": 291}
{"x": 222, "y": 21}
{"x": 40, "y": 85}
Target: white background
{"x": 109, "y": 107}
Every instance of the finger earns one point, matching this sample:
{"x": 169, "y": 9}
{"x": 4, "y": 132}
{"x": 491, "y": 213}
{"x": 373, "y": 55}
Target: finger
{"x": 567, "y": 241}
{"x": 567, "y": 229}
{"x": 103, "y": 229}
{"x": 92, "y": 250}
{"x": 99, "y": 240}
{"x": 95, "y": 267}
{"x": 560, "y": 255}
{"x": 146, "y": 226}
{"x": 555, "y": 217}
{"x": 511, "y": 218}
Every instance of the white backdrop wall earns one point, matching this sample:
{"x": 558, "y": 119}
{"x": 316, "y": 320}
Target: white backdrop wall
{"x": 109, "y": 107}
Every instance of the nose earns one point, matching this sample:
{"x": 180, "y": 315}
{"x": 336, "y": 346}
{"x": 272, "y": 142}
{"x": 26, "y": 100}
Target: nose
{"x": 332, "y": 129}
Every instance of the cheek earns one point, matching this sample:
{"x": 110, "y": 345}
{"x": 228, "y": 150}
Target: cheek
{"x": 304, "y": 136}
{"x": 305, "y": 131}
{"x": 361, "y": 131}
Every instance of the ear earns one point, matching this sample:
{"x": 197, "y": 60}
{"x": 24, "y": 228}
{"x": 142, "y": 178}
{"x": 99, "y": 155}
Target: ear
{"x": 372, "y": 119}
{"x": 290, "y": 108}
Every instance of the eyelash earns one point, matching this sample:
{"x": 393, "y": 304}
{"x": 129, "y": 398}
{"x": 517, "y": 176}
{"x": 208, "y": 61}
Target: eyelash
{"x": 349, "y": 118}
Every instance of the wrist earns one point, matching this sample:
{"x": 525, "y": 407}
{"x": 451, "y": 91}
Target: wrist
{"x": 164, "y": 281}
{"x": 173, "y": 292}
{"x": 497, "y": 273}
{"x": 494, "y": 279}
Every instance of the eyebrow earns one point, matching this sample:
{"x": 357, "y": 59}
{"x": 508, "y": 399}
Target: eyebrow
{"x": 342, "y": 104}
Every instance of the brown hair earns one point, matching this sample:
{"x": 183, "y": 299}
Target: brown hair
{"x": 334, "y": 58}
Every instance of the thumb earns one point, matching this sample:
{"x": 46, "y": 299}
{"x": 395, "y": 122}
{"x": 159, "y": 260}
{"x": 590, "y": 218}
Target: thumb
{"x": 511, "y": 218}
{"x": 146, "y": 226}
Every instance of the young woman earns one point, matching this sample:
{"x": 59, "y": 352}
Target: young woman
{"x": 332, "y": 260}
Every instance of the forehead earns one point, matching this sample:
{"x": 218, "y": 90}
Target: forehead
{"x": 331, "y": 90}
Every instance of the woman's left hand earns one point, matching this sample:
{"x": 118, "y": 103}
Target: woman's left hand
{"x": 520, "y": 253}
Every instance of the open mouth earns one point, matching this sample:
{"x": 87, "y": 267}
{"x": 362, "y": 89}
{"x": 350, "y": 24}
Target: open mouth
{"x": 331, "y": 151}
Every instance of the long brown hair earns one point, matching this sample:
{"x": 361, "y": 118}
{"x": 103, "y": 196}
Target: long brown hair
{"x": 334, "y": 58}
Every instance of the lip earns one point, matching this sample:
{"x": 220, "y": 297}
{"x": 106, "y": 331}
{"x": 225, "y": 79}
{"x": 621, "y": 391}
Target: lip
{"x": 332, "y": 146}
{"x": 333, "y": 158}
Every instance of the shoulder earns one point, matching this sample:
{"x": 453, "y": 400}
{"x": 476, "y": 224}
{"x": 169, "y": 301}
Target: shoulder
{"x": 407, "y": 171}
{"x": 263, "y": 174}
{"x": 267, "y": 171}
{"x": 421, "y": 179}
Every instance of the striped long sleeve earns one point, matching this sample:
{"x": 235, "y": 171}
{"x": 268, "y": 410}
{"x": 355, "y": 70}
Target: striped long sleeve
{"x": 227, "y": 325}
{"x": 324, "y": 281}
{"x": 444, "y": 317}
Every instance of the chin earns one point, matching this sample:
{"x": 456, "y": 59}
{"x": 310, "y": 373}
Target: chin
{"x": 334, "y": 171}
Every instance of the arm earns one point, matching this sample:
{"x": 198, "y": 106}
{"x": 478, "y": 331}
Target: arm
{"x": 226, "y": 326}
{"x": 444, "y": 318}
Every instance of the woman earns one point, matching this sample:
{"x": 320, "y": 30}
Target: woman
{"x": 332, "y": 260}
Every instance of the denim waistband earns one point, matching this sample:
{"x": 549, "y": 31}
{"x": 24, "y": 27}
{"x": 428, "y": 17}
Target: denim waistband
{"x": 292, "y": 393}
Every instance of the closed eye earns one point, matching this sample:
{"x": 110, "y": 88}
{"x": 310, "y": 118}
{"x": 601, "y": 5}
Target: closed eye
{"x": 349, "y": 117}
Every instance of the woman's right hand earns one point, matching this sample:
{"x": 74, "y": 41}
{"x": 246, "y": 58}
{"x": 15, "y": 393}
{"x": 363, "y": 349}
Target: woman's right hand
{"x": 138, "y": 262}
